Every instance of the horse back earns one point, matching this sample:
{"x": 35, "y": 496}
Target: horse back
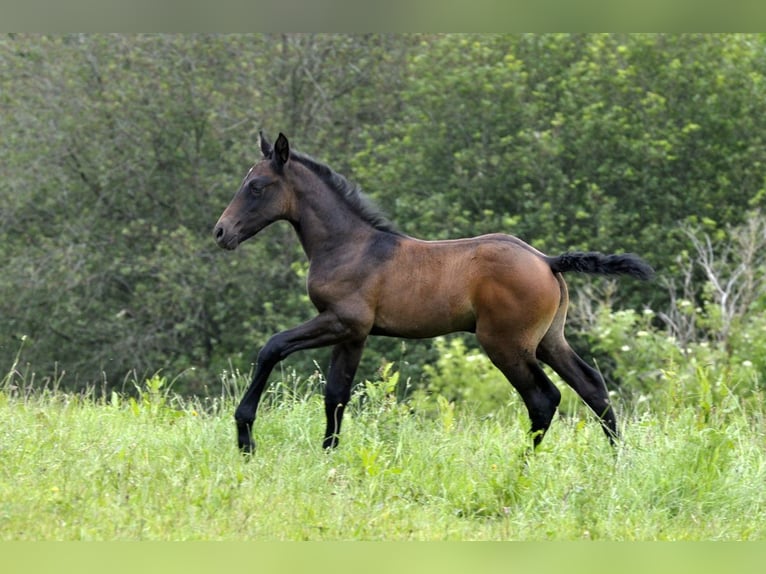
{"x": 430, "y": 288}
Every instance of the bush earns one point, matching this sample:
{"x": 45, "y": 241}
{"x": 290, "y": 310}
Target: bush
{"x": 654, "y": 369}
{"x": 465, "y": 376}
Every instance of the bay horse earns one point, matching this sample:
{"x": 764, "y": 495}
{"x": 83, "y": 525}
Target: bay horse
{"x": 366, "y": 278}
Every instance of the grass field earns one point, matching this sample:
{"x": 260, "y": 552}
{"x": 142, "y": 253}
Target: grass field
{"x": 158, "y": 467}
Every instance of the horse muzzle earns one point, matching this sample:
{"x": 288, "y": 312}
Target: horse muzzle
{"x": 226, "y": 236}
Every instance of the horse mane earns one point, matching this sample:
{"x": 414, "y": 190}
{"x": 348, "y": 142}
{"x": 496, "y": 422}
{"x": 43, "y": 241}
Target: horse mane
{"x": 350, "y": 193}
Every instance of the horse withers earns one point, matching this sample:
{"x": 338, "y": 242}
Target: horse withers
{"x": 366, "y": 278}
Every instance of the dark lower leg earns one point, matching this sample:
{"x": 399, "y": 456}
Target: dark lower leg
{"x": 244, "y": 416}
{"x": 324, "y": 329}
{"x": 539, "y": 394}
{"x": 334, "y": 413}
{"x": 343, "y": 364}
{"x": 588, "y": 384}
{"x": 542, "y": 402}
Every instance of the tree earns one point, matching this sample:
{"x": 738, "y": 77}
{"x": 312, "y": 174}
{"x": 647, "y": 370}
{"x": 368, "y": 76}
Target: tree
{"x": 120, "y": 151}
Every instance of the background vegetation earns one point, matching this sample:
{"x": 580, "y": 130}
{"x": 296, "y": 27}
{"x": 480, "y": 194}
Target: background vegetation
{"x": 120, "y": 151}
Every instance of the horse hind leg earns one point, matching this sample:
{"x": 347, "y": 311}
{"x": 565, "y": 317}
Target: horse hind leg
{"x": 586, "y": 381}
{"x": 555, "y": 351}
{"x": 540, "y": 395}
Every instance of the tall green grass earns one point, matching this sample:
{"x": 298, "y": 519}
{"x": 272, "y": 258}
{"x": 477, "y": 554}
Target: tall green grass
{"x": 155, "y": 466}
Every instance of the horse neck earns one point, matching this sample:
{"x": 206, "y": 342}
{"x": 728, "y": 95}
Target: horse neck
{"x": 324, "y": 222}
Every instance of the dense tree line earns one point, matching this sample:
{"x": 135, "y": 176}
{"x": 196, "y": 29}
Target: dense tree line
{"x": 118, "y": 153}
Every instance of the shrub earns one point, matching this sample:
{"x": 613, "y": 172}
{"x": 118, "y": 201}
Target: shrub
{"x": 465, "y": 376}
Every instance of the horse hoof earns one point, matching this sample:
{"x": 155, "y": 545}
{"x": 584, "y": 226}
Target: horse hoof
{"x": 247, "y": 448}
{"x": 330, "y": 442}
{"x": 246, "y": 443}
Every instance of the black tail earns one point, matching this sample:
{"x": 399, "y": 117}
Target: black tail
{"x": 600, "y": 264}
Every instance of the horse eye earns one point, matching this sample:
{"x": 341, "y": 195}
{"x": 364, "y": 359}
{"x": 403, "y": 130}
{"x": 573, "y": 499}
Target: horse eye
{"x": 258, "y": 184}
{"x": 256, "y": 187}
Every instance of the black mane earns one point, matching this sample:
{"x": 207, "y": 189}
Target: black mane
{"x": 350, "y": 193}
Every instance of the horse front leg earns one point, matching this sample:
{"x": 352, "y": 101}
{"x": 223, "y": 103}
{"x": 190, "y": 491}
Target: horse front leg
{"x": 248, "y": 405}
{"x": 343, "y": 364}
{"x": 321, "y": 331}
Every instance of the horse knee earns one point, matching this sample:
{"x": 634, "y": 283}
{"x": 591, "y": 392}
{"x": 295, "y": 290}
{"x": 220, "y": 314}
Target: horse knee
{"x": 271, "y": 353}
{"x": 245, "y": 414}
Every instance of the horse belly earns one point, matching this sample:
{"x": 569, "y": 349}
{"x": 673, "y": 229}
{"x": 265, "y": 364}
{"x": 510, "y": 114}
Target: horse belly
{"x": 424, "y": 311}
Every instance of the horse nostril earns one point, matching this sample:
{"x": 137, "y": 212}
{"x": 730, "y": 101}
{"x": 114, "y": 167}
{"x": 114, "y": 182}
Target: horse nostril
{"x": 225, "y": 237}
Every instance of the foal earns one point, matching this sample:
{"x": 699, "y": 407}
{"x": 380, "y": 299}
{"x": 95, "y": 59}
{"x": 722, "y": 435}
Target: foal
{"x": 365, "y": 278}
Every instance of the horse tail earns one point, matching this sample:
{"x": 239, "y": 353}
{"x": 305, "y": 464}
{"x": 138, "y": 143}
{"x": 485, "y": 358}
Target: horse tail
{"x": 600, "y": 264}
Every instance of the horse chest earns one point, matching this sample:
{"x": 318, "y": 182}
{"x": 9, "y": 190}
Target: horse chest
{"x": 335, "y": 289}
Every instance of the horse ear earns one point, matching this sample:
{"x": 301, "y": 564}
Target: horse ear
{"x": 265, "y": 146}
{"x": 282, "y": 149}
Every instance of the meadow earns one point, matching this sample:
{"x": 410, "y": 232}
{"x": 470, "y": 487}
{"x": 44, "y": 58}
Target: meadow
{"x": 152, "y": 465}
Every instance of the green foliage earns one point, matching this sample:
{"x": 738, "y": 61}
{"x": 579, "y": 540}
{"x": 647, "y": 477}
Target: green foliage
{"x": 119, "y": 152}
{"x": 464, "y": 376}
{"x": 655, "y": 370}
